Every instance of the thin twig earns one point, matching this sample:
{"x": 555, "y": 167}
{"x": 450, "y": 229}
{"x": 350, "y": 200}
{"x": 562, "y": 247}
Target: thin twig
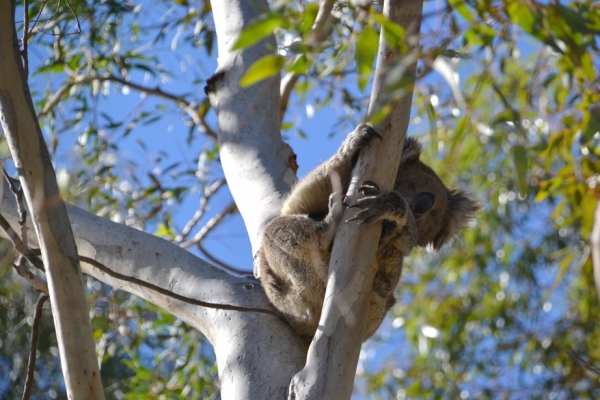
{"x": 317, "y": 34}
{"x": 25, "y": 38}
{"x": 210, "y": 225}
{"x": 37, "y": 19}
{"x": 582, "y": 361}
{"x": 189, "y": 108}
{"x": 76, "y": 18}
{"x": 37, "y": 317}
{"x": 221, "y": 263}
{"x": 25, "y": 251}
{"x": 210, "y": 191}
{"x": 38, "y": 283}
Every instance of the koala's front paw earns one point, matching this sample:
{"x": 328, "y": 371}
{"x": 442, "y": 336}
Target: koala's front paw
{"x": 379, "y": 205}
{"x": 361, "y": 137}
{"x": 336, "y": 209}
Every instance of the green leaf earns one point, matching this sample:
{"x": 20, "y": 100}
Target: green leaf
{"x": 587, "y": 65}
{"x": 263, "y": 68}
{"x": 308, "y": 18}
{"x": 394, "y": 33}
{"x": 520, "y": 14}
{"x": 366, "y": 49}
{"x": 506, "y": 115}
{"x": 519, "y": 153}
{"x": 258, "y": 30}
{"x": 576, "y": 21}
{"x": 462, "y": 9}
{"x": 300, "y": 65}
{"x": 591, "y": 121}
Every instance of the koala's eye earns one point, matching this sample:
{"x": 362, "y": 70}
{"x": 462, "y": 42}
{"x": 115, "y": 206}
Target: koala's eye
{"x": 422, "y": 204}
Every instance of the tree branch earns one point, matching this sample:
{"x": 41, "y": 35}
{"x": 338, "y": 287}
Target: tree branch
{"x": 37, "y": 317}
{"x": 189, "y": 108}
{"x": 132, "y": 253}
{"x": 255, "y": 160}
{"x": 18, "y": 192}
{"x": 333, "y": 354}
{"x": 318, "y": 33}
{"x": 19, "y": 245}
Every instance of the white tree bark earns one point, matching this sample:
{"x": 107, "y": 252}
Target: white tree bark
{"x": 32, "y": 161}
{"x": 255, "y": 159}
{"x": 333, "y": 354}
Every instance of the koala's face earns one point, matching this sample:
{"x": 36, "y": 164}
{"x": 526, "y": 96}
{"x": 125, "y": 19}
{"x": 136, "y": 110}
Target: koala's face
{"x": 427, "y": 198}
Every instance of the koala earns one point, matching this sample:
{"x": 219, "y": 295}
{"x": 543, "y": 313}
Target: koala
{"x": 296, "y": 246}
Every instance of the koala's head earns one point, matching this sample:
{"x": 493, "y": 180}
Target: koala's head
{"x": 439, "y": 212}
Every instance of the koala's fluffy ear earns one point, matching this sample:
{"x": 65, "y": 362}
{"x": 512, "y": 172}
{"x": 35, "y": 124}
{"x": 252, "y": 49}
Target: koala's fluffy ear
{"x": 461, "y": 209}
{"x": 411, "y": 150}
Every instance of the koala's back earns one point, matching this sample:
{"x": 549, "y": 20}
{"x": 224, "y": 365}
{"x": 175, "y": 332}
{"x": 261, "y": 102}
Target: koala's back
{"x": 293, "y": 266}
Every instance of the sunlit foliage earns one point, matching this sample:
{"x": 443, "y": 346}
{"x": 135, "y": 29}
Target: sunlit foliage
{"x": 504, "y": 103}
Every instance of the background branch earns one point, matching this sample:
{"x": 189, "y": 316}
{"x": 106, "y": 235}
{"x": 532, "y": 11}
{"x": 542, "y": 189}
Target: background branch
{"x": 189, "y": 108}
{"x": 38, "y": 283}
{"x": 35, "y": 328}
{"x": 318, "y": 33}
{"x": 210, "y": 225}
{"x": 210, "y": 191}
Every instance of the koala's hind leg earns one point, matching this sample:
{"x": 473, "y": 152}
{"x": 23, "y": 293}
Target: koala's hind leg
{"x": 294, "y": 264}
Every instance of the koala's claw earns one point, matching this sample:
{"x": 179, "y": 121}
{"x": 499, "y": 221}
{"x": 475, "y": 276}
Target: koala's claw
{"x": 369, "y": 188}
{"x": 378, "y": 205}
{"x": 367, "y": 216}
{"x": 362, "y": 136}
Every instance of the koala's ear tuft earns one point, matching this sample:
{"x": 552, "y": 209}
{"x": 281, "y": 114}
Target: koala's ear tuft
{"x": 411, "y": 150}
{"x": 461, "y": 210}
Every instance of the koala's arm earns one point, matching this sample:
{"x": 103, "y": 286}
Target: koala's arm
{"x": 310, "y": 196}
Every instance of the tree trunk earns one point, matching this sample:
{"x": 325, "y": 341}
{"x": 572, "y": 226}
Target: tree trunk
{"x": 47, "y": 210}
{"x": 255, "y": 159}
